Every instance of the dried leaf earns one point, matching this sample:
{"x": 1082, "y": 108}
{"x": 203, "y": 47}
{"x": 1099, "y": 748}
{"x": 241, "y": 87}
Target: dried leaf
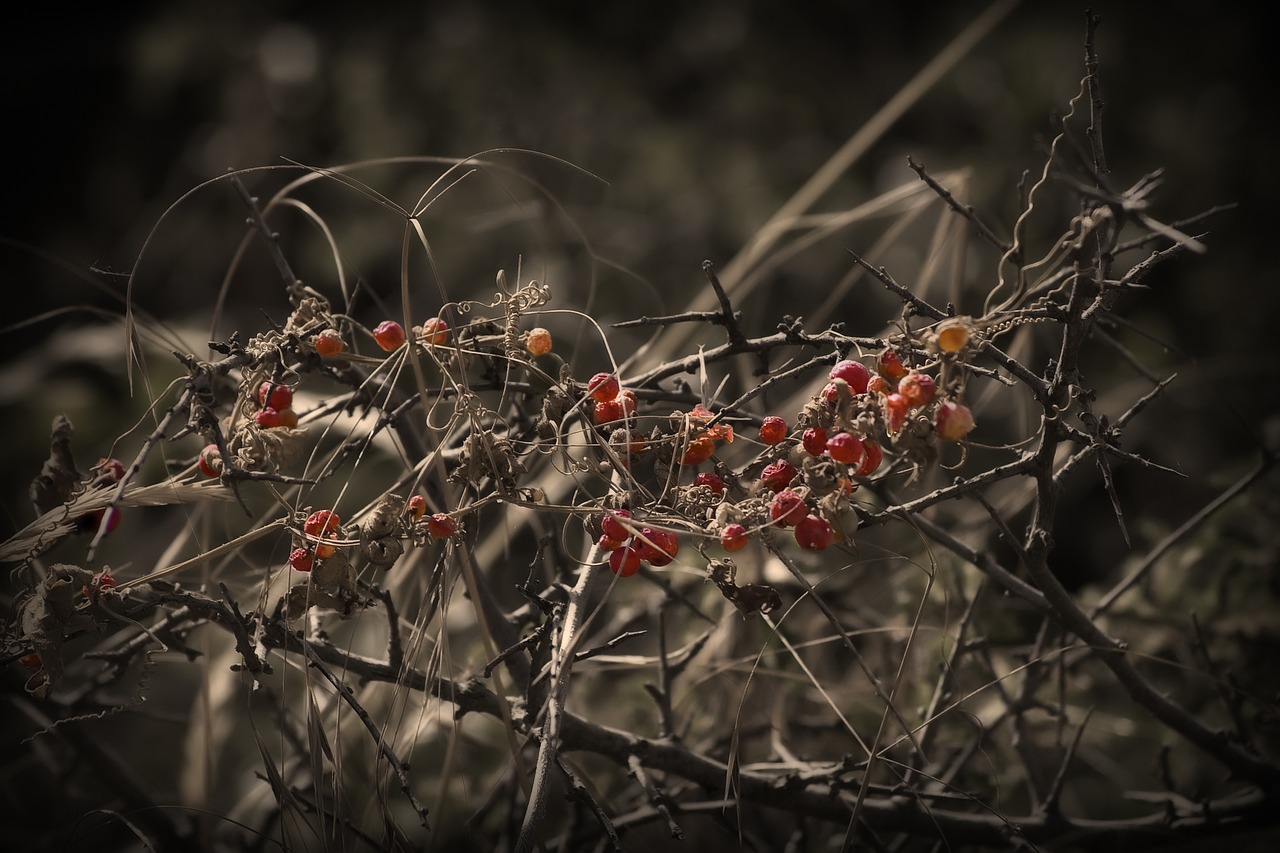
{"x": 751, "y": 598}
{"x": 48, "y": 616}
{"x": 58, "y": 477}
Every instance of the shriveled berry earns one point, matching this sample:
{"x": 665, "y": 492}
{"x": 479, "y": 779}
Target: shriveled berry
{"x": 711, "y": 481}
{"x": 845, "y": 447}
{"x": 627, "y": 398}
{"x": 288, "y": 419}
{"x": 608, "y": 411}
{"x": 323, "y": 551}
{"x": 814, "y": 441}
{"x": 879, "y": 385}
{"x": 329, "y": 342}
{"x": 625, "y": 561}
{"x": 301, "y": 559}
{"x": 814, "y": 533}
{"x": 31, "y": 661}
{"x": 210, "y": 461}
{"x": 417, "y": 506}
{"x": 320, "y": 522}
{"x": 603, "y": 387}
{"x": 895, "y": 412}
{"x": 777, "y": 475}
{"x": 698, "y": 451}
{"x": 657, "y": 547}
{"x": 787, "y": 508}
{"x": 953, "y": 421}
{"x": 389, "y": 335}
{"x": 773, "y": 429}
{"x": 613, "y": 526}
{"x": 872, "y": 456}
{"x": 272, "y": 395}
{"x": 890, "y": 365}
{"x": 538, "y": 341}
{"x": 952, "y": 336}
{"x": 606, "y": 544}
{"x": 435, "y": 331}
{"x": 112, "y": 467}
{"x": 734, "y": 537}
{"x": 853, "y": 372}
{"x": 441, "y": 526}
{"x": 917, "y": 387}
{"x": 831, "y": 391}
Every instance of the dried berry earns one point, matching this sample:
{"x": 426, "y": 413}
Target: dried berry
{"x": 918, "y": 388}
{"x": 441, "y": 526}
{"x": 417, "y": 506}
{"x": 603, "y": 387}
{"x": 777, "y": 475}
{"x": 301, "y": 559}
{"x": 787, "y": 508}
{"x": 773, "y": 430}
{"x": 329, "y": 342}
{"x": 613, "y": 527}
{"x": 435, "y": 331}
{"x": 210, "y": 461}
{"x": 538, "y": 341}
{"x": 845, "y": 447}
{"x": 890, "y": 366}
{"x": 814, "y": 441}
{"x": 953, "y": 421}
{"x": 657, "y": 547}
{"x": 272, "y": 395}
{"x": 698, "y": 451}
{"x": 321, "y": 522}
{"x": 711, "y": 481}
{"x": 734, "y": 537}
{"x": 389, "y": 334}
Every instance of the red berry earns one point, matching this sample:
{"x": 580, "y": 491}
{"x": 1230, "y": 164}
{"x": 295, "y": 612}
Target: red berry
{"x": 711, "y": 481}
{"x": 787, "y": 508}
{"x": 93, "y": 521}
{"x": 953, "y": 421}
{"x": 846, "y": 448}
{"x": 210, "y": 461}
{"x": 389, "y": 334}
{"x": 538, "y": 341}
{"x": 441, "y": 526}
{"x": 274, "y": 396}
{"x": 604, "y": 543}
{"x": 110, "y": 466}
{"x": 878, "y": 385}
{"x": 853, "y": 372}
{"x": 435, "y": 331}
{"x": 301, "y": 559}
{"x": 773, "y": 429}
{"x": 268, "y": 418}
{"x": 890, "y": 365}
{"x": 895, "y": 412}
{"x": 698, "y": 451}
{"x": 627, "y": 398}
{"x": 813, "y": 533}
{"x": 624, "y": 562}
{"x": 777, "y": 475}
{"x": 917, "y": 387}
{"x": 814, "y": 441}
{"x": 733, "y": 537}
{"x": 329, "y": 342}
{"x": 603, "y": 387}
{"x": 417, "y": 506}
{"x": 831, "y": 392}
{"x": 872, "y": 456}
{"x": 105, "y": 580}
{"x": 609, "y": 411}
{"x": 613, "y": 528}
{"x": 31, "y": 661}
{"x": 320, "y": 522}
{"x": 657, "y": 547}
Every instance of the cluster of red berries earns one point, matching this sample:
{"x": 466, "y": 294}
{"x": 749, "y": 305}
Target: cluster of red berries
{"x": 275, "y": 406}
{"x": 612, "y": 401}
{"x": 629, "y": 546}
{"x": 321, "y": 524}
{"x": 440, "y": 525}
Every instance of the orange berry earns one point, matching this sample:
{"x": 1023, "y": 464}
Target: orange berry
{"x": 435, "y": 331}
{"x": 918, "y": 388}
{"x": 698, "y": 451}
{"x": 417, "y": 506}
{"x": 773, "y": 430}
{"x": 538, "y": 341}
{"x": 952, "y": 336}
{"x": 329, "y": 342}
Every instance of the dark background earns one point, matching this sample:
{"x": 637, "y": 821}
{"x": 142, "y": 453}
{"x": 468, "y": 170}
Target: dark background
{"x": 701, "y": 117}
